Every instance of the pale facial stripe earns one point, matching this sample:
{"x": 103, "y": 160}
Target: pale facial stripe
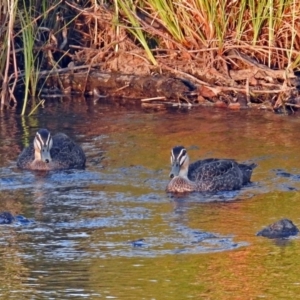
{"x": 172, "y": 156}
{"x": 41, "y": 142}
{"x": 181, "y": 156}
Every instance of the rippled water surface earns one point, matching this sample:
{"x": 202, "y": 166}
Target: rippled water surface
{"x": 112, "y": 232}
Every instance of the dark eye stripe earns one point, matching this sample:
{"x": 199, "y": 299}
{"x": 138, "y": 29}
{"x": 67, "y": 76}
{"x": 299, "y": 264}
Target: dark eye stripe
{"x": 178, "y": 154}
{"x": 41, "y": 141}
{"x": 182, "y": 153}
{"x": 48, "y": 142}
{"x": 182, "y": 158}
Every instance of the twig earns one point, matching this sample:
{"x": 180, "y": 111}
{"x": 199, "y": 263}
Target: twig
{"x": 224, "y": 88}
{"x": 11, "y": 90}
{"x": 121, "y": 88}
{"x": 248, "y": 93}
{"x": 191, "y": 77}
{"x": 34, "y": 109}
{"x": 153, "y": 99}
{"x": 9, "y": 43}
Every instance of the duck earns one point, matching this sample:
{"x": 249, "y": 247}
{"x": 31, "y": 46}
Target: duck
{"x": 49, "y": 152}
{"x": 207, "y": 175}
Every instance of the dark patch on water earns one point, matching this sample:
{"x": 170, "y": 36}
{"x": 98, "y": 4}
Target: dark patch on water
{"x": 7, "y": 217}
{"x": 286, "y": 181}
{"x": 282, "y": 173}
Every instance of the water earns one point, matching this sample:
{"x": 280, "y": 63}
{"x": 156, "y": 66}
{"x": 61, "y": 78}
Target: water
{"x": 111, "y": 231}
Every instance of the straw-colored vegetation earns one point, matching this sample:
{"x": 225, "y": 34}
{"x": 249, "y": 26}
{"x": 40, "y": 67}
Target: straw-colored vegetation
{"x": 232, "y": 45}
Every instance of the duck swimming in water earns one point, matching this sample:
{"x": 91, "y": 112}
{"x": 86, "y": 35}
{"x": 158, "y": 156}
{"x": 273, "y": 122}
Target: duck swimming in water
{"x": 51, "y": 153}
{"x": 208, "y": 175}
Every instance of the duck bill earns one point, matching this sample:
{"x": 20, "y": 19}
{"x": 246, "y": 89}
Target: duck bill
{"x": 175, "y": 170}
{"x": 45, "y": 155}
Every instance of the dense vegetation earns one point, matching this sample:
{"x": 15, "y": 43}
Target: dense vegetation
{"x": 230, "y": 44}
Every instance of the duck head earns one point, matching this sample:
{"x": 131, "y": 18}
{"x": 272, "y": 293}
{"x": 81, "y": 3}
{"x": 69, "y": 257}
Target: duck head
{"x": 42, "y": 144}
{"x": 179, "y": 162}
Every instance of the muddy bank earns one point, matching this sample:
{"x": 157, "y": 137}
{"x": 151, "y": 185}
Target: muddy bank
{"x": 129, "y": 77}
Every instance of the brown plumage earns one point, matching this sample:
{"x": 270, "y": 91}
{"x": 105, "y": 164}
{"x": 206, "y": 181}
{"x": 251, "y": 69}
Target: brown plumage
{"x": 51, "y": 153}
{"x": 208, "y": 175}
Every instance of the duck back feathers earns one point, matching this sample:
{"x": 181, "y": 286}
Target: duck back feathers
{"x": 65, "y": 151}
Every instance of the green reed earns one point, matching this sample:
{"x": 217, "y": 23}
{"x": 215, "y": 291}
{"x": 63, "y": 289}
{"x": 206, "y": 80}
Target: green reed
{"x": 134, "y": 26}
{"x": 264, "y": 25}
{"x": 167, "y": 12}
{"x": 36, "y": 20}
{"x": 28, "y": 37}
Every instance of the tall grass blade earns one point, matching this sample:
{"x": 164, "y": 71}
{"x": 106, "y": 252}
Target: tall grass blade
{"x": 135, "y": 29}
